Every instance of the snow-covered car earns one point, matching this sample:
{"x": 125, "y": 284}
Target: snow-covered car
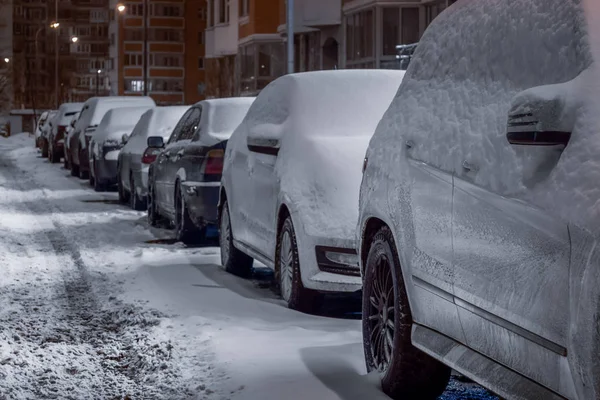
{"x": 135, "y": 157}
{"x": 56, "y": 135}
{"x": 44, "y": 132}
{"x": 106, "y": 144}
{"x": 38, "y": 128}
{"x": 68, "y": 134}
{"x": 291, "y": 177}
{"x": 91, "y": 114}
{"x": 478, "y": 219}
{"x": 185, "y": 179}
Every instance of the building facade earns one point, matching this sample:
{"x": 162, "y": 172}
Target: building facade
{"x": 157, "y": 48}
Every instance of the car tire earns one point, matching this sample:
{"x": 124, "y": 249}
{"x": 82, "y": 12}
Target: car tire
{"x": 407, "y": 372}
{"x": 233, "y": 260}
{"x": 288, "y": 274}
{"x": 44, "y": 148}
{"x": 153, "y": 215}
{"x": 82, "y": 174}
{"x": 185, "y": 229}
{"x": 74, "y": 169}
{"x": 54, "y": 156}
{"x": 98, "y": 185}
{"x": 66, "y": 164}
{"x": 135, "y": 202}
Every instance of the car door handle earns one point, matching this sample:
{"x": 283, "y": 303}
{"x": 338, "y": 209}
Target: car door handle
{"x": 468, "y": 166}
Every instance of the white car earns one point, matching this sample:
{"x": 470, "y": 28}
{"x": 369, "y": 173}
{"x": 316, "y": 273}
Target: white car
{"x": 106, "y": 144}
{"x": 291, "y": 177}
{"x": 479, "y": 207}
{"x": 38, "y": 128}
{"x": 68, "y": 134}
{"x": 132, "y": 166}
{"x": 45, "y": 131}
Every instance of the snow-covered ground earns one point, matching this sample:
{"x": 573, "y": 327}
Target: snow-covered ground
{"x": 92, "y": 308}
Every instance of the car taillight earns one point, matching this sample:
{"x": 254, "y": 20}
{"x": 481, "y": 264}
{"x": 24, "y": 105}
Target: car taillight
{"x": 214, "y": 162}
{"x": 150, "y": 155}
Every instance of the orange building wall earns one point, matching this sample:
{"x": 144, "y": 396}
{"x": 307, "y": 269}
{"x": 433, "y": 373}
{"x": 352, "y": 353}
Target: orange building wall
{"x": 264, "y": 18}
{"x": 193, "y": 75}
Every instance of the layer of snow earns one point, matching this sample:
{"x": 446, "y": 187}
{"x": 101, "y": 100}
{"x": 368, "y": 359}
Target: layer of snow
{"x": 157, "y": 121}
{"x": 118, "y": 121}
{"x": 220, "y": 117}
{"x": 66, "y": 112}
{"x": 92, "y": 310}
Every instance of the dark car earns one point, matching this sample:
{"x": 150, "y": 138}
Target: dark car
{"x": 57, "y": 133}
{"x": 184, "y": 181}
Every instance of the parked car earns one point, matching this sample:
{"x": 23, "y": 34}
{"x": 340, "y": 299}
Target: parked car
{"x": 46, "y": 127}
{"x": 56, "y": 135}
{"x": 290, "y": 183}
{"x": 38, "y": 128}
{"x": 135, "y": 157}
{"x": 478, "y": 241}
{"x": 68, "y": 134}
{"x": 185, "y": 178}
{"x": 91, "y": 114}
{"x": 107, "y": 141}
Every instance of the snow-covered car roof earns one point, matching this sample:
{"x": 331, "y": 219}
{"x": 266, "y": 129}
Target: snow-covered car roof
{"x": 220, "y": 117}
{"x": 118, "y": 121}
{"x": 159, "y": 121}
{"x": 324, "y": 121}
{"x": 98, "y": 106}
{"x": 66, "y": 111}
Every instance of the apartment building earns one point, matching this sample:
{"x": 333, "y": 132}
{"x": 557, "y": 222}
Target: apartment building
{"x": 161, "y": 42}
{"x": 48, "y": 67}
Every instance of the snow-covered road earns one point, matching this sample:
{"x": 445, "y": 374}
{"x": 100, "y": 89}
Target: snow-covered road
{"x": 92, "y": 306}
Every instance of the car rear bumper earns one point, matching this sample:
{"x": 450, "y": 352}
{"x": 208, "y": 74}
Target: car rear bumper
{"x": 106, "y": 171}
{"x": 202, "y": 199}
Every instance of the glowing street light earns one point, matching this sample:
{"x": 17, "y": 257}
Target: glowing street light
{"x": 99, "y": 71}
{"x": 6, "y": 60}
{"x": 54, "y": 25}
{"x": 74, "y": 39}
{"x": 121, "y": 8}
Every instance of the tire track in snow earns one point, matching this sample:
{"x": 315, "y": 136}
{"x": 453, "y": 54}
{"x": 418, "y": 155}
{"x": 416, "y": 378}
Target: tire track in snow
{"x": 87, "y": 347}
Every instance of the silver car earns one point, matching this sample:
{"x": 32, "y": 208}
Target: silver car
{"x": 478, "y": 220}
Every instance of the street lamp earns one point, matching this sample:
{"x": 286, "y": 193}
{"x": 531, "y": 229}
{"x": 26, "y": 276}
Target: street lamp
{"x": 6, "y": 60}
{"x": 121, "y": 8}
{"x": 54, "y": 25}
{"x": 74, "y": 39}
{"x": 97, "y": 80}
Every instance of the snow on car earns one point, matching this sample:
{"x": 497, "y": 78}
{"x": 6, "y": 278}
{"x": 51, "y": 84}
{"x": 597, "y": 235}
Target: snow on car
{"x": 38, "y": 128}
{"x": 44, "y": 131}
{"x": 291, "y": 179}
{"x": 56, "y": 136}
{"x": 133, "y": 165}
{"x": 67, "y": 137}
{"x": 478, "y": 207}
{"x": 107, "y": 141}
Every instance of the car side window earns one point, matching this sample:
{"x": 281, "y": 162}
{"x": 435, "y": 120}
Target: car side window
{"x": 191, "y": 124}
{"x": 179, "y": 127}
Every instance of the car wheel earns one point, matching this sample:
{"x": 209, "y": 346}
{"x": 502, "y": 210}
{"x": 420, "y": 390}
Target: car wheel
{"x": 82, "y": 174}
{"x": 153, "y": 215}
{"x": 287, "y": 269}
{"x": 234, "y": 261}
{"x": 66, "y": 161}
{"x": 186, "y": 230}
{"x": 136, "y": 203}
{"x": 74, "y": 169}
{"x": 406, "y": 372}
{"x": 98, "y": 185}
{"x": 54, "y": 156}
{"x": 44, "y": 148}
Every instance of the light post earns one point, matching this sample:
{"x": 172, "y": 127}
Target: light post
{"x": 55, "y": 26}
{"x": 97, "y": 79}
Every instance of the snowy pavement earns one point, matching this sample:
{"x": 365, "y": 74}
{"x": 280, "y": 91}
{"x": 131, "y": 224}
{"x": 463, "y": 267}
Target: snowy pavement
{"x": 92, "y": 308}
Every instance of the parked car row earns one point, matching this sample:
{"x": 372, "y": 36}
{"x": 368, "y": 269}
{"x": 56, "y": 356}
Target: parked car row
{"x": 453, "y": 195}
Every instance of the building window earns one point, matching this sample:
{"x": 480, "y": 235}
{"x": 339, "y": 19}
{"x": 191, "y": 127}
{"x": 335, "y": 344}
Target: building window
{"x": 400, "y": 26}
{"x": 165, "y": 35}
{"x": 135, "y": 9}
{"x": 223, "y": 11}
{"x": 360, "y": 34}
{"x": 165, "y": 60}
{"x": 200, "y": 62}
{"x": 166, "y": 10}
{"x": 211, "y": 13}
{"x": 134, "y": 35}
{"x": 201, "y": 37}
{"x": 133, "y": 85}
{"x": 201, "y": 13}
{"x": 244, "y": 8}
{"x": 165, "y": 85}
{"x": 260, "y": 63}
{"x": 432, "y": 10}
{"x": 133, "y": 60}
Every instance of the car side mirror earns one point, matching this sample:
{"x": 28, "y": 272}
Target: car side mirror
{"x": 125, "y": 138}
{"x": 541, "y": 116}
{"x": 155, "y": 142}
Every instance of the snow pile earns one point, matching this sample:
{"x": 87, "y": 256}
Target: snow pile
{"x": 328, "y": 118}
{"x": 220, "y": 117}
{"x": 116, "y": 122}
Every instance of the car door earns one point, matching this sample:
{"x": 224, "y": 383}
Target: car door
{"x": 175, "y": 153}
{"x": 262, "y": 198}
{"x": 160, "y": 166}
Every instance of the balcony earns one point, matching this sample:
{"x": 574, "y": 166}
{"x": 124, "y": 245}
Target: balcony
{"x": 313, "y": 14}
{"x": 222, "y": 40}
